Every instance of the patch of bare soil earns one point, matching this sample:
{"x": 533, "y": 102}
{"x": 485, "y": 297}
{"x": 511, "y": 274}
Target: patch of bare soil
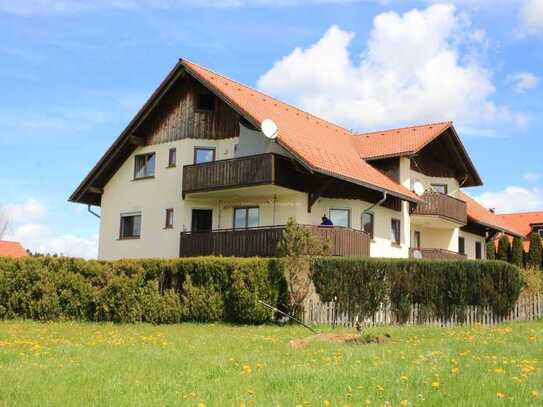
{"x": 355, "y": 339}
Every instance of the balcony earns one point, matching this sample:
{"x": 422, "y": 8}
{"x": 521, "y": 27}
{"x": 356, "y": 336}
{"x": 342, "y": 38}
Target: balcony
{"x": 261, "y": 169}
{"x": 436, "y": 254}
{"x": 263, "y": 242}
{"x": 441, "y": 206}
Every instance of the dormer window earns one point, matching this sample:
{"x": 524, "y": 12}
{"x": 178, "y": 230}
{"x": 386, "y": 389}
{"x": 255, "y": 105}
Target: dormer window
{"x": 144, "y": 166}
{"x": 205, "y": 102}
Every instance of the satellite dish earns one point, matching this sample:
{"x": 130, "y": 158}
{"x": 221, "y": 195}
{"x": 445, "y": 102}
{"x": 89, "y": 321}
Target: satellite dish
{"x": 418, "y": 188}
{"x": 270, "y": 129}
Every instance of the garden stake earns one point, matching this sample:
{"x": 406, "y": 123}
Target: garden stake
{"x": 288, "y": 316}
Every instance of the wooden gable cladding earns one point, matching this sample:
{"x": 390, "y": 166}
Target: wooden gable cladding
{"x": 177, "y": 117}
{"x": 446, "y": 157}
{"x": 388, "y": 166}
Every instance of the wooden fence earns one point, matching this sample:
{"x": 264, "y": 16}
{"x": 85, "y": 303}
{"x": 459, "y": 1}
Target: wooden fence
{"x": 528, "y": 308}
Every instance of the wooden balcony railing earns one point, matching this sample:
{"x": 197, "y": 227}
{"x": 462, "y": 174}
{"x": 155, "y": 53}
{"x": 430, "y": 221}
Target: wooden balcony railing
{"x": 235, "y": 172}
{"x": 446, "y": 206}
{"x": 263, "y": 242}
{"x": 438, "y": 254}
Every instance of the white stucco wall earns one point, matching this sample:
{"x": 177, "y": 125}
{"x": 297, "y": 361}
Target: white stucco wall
{"x": 151, "y": 197}
{"x": 469, "y": 243}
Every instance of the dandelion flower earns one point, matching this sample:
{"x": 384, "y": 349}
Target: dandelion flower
{"x": 499, "y": 370}
{"x": 500, "y": 395}
{"x": 326, "y": 403}
{"x": 404, "y": 403}
{"x": 536, "y": 394}
{"x": 435, "y": 385}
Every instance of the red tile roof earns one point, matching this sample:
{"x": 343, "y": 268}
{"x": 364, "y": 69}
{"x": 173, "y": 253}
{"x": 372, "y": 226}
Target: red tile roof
{"x": 397, "y": 142}
{"x": 11, "y": 249}
{"x": 523, "y": 221}
{"x": 323, "y": 146}
{"x": 477, "y": 213}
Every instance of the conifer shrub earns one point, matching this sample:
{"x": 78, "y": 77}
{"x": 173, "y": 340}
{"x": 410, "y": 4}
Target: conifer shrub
{"x": 534, "y": 259}
{"x": 444, "y": 288}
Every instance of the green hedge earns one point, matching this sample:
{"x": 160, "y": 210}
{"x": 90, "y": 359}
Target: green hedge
{"x": 228, "y": 289}
{"x": 443, "y": 288}
{"x": 155, "y": 291}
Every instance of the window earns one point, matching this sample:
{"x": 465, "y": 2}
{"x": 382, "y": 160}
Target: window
{"x": 478, "y": 250}
{"x": 441, "y": 188}
{"x": 416, "y": 239}
{"x": 541, "y": 232}
{"x": 205, "y": 102}
{"x": 169, "y": 219}
{"x": 367, "y": 223}
{"x": 461, "y": 245}
{"x": 172, "y": 157}
{"x": 246, "y": 217}
{"x": 395, "y": 231}
{"x": 144, "y": 166}
{"x": 341, "y": 217}
{"x": 130, "y": 226}
{"x": 203, "y": 155}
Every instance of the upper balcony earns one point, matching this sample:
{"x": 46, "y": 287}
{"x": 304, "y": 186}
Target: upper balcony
{"x": 261, "y": 169}
{"x": 445, "y": 208}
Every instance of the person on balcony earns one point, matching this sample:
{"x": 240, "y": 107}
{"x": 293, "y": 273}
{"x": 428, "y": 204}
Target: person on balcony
{"x": 326, "y": 221}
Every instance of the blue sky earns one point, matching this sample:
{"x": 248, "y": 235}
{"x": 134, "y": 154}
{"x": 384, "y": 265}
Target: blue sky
{"x": 74, "y": 73}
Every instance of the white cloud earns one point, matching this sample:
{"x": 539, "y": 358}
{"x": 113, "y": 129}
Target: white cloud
{"x": 28, "y": 225}
{"x": 40, "y": 7}
{"x": 531, "y": 16}
{"x": 533, "y": 176}
{"x": 521, "y": 82}
{"x": 513, "y": 199}
{"x": 417, "y": 67}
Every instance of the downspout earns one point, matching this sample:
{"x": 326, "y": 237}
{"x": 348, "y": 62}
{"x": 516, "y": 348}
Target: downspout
{"x": 385, "y": 196}
{"x": 92, "y": 212}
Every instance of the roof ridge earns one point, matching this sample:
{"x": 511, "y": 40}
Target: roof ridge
{"x": 182, "y": 60}
{"x": 520, "y": 213}
{"x": 404, "y": 128}
{"x": 10, "y": 241}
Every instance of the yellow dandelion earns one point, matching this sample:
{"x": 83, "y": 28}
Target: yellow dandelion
{"x": 499, "y": 370}
{"x": 367, "y": 402}
{"x": 380, "y": 388}
{"x": 326, "y": 403}
{"x": 455, "y": 370}
{"x": 435, "y": 385}
{"x": 404, "y": 403}
{"x": 517, "y": 380}
{"x": 500, "y": 395}
{"x": 247, "y": 369}
{"x": 536, "y": 394}
{"x": 404, "y": 378}
{"x": 200, "y": 404}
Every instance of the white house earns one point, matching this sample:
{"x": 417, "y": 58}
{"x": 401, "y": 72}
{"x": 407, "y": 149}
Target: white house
{"x": 194, "y": 174}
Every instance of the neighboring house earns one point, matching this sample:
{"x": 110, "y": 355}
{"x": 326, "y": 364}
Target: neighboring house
{"x": 193, "y": 174}
{"x": 12, "y": 249}
{"x": 526, "y": 223}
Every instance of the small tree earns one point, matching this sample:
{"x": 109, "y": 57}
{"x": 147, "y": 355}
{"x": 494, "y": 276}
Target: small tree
{"x": 504, "y": 249}
{"x": 296, "y": 248}
{"x": 534, "y": 255}
{"x": 490, "y": 250}
{"x": 517, "y": 252}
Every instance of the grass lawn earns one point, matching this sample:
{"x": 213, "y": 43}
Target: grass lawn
{"x": 221, "y": 365}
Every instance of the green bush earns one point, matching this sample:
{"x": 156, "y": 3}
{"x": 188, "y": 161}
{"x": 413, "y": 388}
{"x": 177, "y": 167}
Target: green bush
{"x": 444, "y": 288}
{"x": 201, "y": 304}
{"x": 212, "y": 289}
